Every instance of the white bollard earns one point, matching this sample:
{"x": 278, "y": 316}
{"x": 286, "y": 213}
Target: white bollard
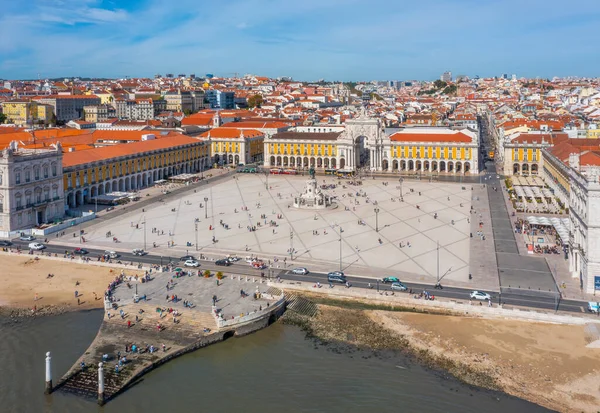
{"x": 254, "y": 280}
{"x": 100, "y": 384}
{"x": 48, "y": 374}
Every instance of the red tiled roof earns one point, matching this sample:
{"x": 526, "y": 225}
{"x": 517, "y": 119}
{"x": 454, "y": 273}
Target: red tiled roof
{"x": 230, "y": 133}
{"x": 458, "y": 137}
{"x": 109, "y": 152}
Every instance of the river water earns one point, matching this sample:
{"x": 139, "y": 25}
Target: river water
{"x": 273, "y": 370}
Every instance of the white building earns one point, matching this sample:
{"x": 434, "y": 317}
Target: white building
{"x": 584, "y": 237}
{"x": 31, "y": 187}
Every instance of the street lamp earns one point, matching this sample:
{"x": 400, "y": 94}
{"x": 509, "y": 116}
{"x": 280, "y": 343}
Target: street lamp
{"x": 341, "y": 230}
{"x": 205, "y": 207}
{"x": 196, "y": 228}
{"x": 401, "y": 196}
{"x": 376, "y": 219}
{"x": 144, "y": 233}
{"x": 267, "y": 179}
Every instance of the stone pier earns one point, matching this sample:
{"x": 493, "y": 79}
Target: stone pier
{"x": 159, "y": 334}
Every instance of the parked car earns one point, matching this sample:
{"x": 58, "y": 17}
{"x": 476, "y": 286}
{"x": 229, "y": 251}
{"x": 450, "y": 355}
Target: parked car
{"x": 337, "y": 277}
{"x": 593, "y": 307}
{"x": 187, "y": 257}
{"x": 480, "y": 295}
{"x": 80, "y": 251}
{"x": 26, "y": 237}
{"x": 138, "y": 252}
{"x": 390, "y": 280}
{"x": 36, "y": 246}
{"x": 191, "y": 263}
{"x": 398, "y": 286}
{"x": 110, "y": 254}
{"x": 4, "y": 243}
{"x": 223, "y": 262}
{"x": 300, "y": 271}
{"x": 233, "y": 259}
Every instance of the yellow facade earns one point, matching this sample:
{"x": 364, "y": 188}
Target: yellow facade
{"x": 27, "y": 113}
{"x": 316, "y": 149}
{"x": 593, "y": 134}
{"x": 91, "y": 174}
{"x": 525, "y": 154}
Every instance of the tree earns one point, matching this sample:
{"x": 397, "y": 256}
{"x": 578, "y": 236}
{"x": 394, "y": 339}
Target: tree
{"x": 219, "y": 275}
{"x": 2, "y": 118}
{"x": 187, "y": 112}
{"x": 439, "y": 84}
{"x": 255, "y": 101}
{"x": 206, "y": 273}
{"x": 449, "y": 90}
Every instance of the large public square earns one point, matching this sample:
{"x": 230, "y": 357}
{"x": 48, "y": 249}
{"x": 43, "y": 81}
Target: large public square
{"x": 409, "y": 229}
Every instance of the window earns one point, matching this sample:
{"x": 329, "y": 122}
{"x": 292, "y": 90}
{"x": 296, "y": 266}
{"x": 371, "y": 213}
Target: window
{"x": 53, "y": 169}
{"x": 46, "y": 194}
{"x": 45, "y": 172}
{"x": 27, "y": 199}
{"x": 36, "y": 172}
{"x": 55, "y": 193}
{"x": 534, "y": 155}
{"x": 18, "y": 178}
{"x": 38, "y": 197}
{"x": 85, "y": 178}
{"x": 1, "y": 204}
{"x": 18, "y": 201}
{"x": 27, "y": 176}
{"x": 0, "y": 179}
{"x": 525, "y": 155}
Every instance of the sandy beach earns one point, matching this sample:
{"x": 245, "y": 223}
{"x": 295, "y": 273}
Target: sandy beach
{"x": 548, "y": 364}
{"x": 23, "y": 277}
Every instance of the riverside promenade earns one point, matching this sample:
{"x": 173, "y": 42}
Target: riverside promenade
{"x": 147, "y": 329}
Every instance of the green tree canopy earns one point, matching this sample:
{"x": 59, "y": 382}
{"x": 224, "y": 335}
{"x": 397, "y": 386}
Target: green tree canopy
{"x": 255, "y": 101}
{"x": 439, "y": 84}
{"x": 2, "y": 118}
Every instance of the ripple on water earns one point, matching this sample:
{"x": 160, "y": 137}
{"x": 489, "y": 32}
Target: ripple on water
{"x": 271, "y": 370}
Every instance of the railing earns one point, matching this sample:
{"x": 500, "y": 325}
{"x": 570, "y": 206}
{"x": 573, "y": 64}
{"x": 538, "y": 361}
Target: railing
{"x": 255, "y": 315}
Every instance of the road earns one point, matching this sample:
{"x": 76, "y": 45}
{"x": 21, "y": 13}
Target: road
{"x": 242, "y": 268}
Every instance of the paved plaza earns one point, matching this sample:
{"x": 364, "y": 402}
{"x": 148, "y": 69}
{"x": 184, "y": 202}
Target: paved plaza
{"x": 198, "y": 291}
{"x": 240, "y": 202}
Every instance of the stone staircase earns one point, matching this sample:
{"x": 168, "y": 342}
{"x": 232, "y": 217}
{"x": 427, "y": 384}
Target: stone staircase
{"x": 300, "y": 305}
{"x": 85, "y": 383}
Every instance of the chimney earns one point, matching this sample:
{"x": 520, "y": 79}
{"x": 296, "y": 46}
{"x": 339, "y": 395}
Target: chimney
{"x": 574, "y": 161}
{"x": 71, "y": 149}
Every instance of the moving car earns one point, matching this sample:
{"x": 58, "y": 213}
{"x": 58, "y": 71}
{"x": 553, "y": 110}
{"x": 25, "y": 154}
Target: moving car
{"x": 300, "y": 271}
{"x": 223, "y": 262}
{"x": 233, "y": 259}
{"x": 191, "y": 263}
{"x": 398, "y": 286}
{"x": 480, "y": 295}
{"x": 139, "y": 252}
{"x": 110, "y": 254}
{"x": 36, "y": 246}
{"x": 593, "y": 307}
{"x": 80, "y": 251}
{"x": 4, "y": 243}
{"x": 390, "y": 280}
{"x": 187, "y": 257}
{"x": 26, "y": 237}
{"x": 337, "y": 276}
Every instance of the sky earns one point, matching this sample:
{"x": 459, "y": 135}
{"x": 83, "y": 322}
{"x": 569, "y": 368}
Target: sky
{"x": 304, "y": 39}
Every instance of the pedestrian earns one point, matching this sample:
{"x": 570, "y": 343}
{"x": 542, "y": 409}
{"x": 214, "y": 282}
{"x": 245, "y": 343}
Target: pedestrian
{"x": 214, "y": 299}
{"x": 129, "y": 323}
{"x": 78, "y": 301}
{"x": 36, "y": 297}
{"x": 76, "y": 293}
{"x": 164, "y": 348}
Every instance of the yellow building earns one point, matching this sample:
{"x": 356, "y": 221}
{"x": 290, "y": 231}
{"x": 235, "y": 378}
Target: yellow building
{"x": 231, "y": 146}
{"x": 593, "y": 134}
{"x": 523, "y": 156}
{"x": 25, "y": 112}
{"x": 129, "y": 167}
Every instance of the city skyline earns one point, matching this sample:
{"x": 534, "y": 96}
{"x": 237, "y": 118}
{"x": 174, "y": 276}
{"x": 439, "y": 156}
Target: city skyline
{"x": 339, "y": 40}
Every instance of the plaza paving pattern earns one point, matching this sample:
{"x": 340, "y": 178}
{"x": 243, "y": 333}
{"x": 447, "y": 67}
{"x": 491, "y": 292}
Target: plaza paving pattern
{"x": 399, "y": 222}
